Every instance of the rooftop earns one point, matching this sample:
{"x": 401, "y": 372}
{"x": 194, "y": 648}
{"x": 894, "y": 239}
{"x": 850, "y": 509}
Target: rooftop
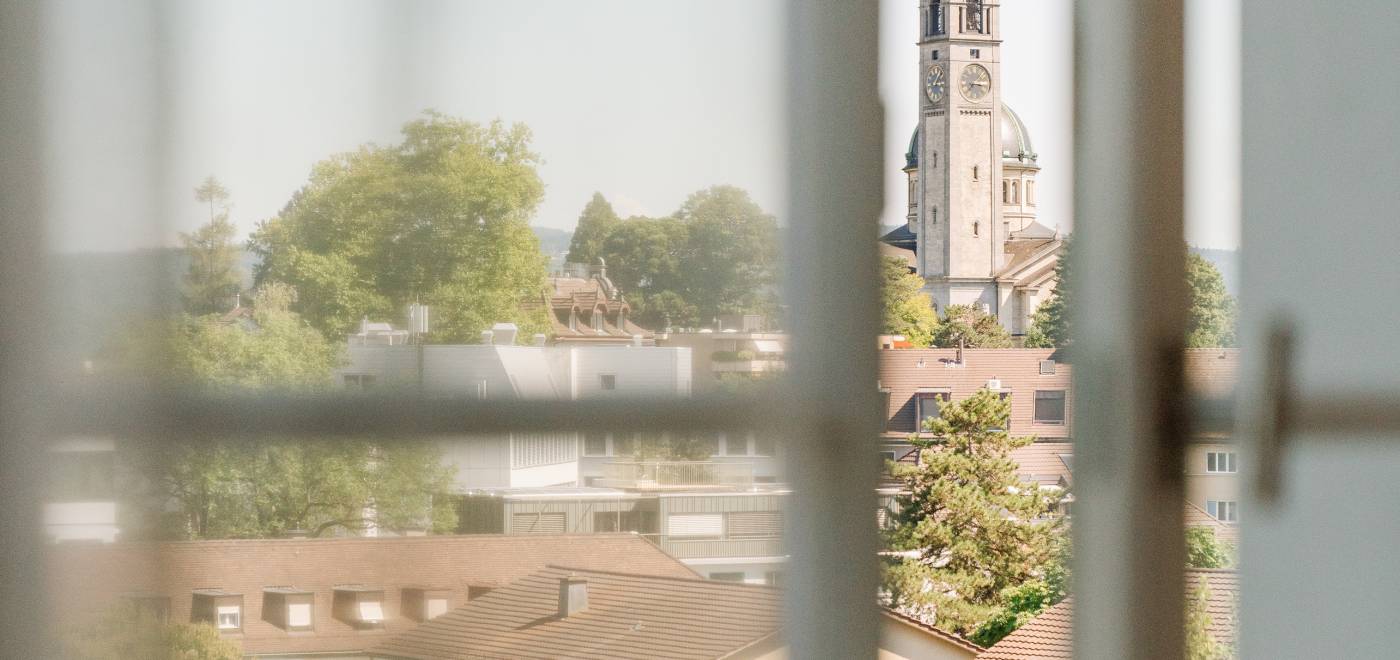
{"x": 627, "y": 616}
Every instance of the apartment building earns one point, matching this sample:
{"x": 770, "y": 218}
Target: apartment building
{"x": 1038, "y": 383}
{"x": 742, "y": 352}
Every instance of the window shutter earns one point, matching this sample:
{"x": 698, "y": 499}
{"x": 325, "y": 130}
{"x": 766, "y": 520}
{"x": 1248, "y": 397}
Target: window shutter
{"x": 701, "y": 524}
{"x": 755, "y": 524}
{"x": 537, "y": 523}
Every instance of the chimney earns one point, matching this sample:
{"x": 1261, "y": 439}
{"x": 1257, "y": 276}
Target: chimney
{"x": 573, "y": 596}
{"x": 539, "y": 339}
{"x": 487, "y": 336}
{"x": 505, "y": 333}
{"x": 960, "y": 350}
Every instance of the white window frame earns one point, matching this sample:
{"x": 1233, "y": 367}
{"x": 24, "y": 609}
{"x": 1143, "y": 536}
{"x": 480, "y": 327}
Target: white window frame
{"x": 220, "y": 611}
{"x": 1224, "y": 510}
{"x": 1215, "y": 459}
{"x": 1129, "y": 187}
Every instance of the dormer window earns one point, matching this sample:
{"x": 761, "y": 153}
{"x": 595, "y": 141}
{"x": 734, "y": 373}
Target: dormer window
{"x": 219, "y": 608}
{"x": 359, "y": 605}
{"x": 289, "y": 608}
{"x": 425, "y": 604}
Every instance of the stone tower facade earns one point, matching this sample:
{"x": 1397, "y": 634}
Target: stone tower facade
{"x": 958, "y": 220}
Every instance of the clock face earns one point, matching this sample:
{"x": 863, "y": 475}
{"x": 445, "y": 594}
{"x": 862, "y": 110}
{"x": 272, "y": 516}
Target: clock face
{"x": 976, "y": 82}
{"x": 935, "y": 84}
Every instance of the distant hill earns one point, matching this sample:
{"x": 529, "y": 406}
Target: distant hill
{"x": 553, "y": 240}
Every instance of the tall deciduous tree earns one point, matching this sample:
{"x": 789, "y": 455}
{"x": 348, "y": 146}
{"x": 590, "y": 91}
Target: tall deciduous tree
{"x": 594, "y": 224}
{"x": 213, "y": 277}
{"x": 1204, "y": 550}
{"x": 716, "y": 256}
{"x": 906, "y": 310}
{"x": 267, "y": 488}
{"x": 1212, "y": 318}
{"x": 1200, "y": 643}
{"x": 441, "y": 218}
{"x": 975, "y": 527}
{"x": 969, "y": 326}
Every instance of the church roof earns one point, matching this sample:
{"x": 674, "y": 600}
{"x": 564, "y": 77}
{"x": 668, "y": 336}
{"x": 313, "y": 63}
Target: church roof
{"x": 901, "y": 237}
{"x": 1016, "y": 147}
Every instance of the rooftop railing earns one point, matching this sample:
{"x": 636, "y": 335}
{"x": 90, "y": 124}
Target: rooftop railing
{"x": 675, "y": 474}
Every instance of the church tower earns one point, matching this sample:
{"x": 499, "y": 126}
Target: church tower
{"x": 958, "y": 219}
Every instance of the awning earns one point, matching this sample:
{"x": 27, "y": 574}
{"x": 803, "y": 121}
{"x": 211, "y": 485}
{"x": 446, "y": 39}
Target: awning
{"x": 767, "y": 346}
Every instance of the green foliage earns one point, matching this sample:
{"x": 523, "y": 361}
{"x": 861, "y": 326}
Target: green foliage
{"x": 672, "y": 446}
{"x": 1200, "y": 644}
{"x": 1211, "y": 322}
{"x": 1204, "y": 550}
{"x": 212, "y": 278}
{"x": 1050, "y": 322}
{"x": 732, "y": 356}
{"x": 272, "y": 350}
{"x": 1025, "y": 601}
{"x": 977, "y": 529}
{"x": 906, "y": 310}
{"x": 127, "y": 631}
{"x": 441, "y": 218}
{"x": 716, "y": 256}
{"x": 249, "y": 488}
{"x": 594, "y": 224}
{"x": 972, "y": 327}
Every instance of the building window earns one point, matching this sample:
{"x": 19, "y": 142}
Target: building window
{"x": 1050, "y": 407}
{"x": 1030, "y": 193}
{"x": 1220, "y": 462}
{"x": 1015, "y": 192}
{"x": 927, "y": 404}
{"x": 976, "y": 228}
{"x": 976, "y": 173}
{"x": 754, "y": 524}
{"x": 1005, "y": 192}
{"x": 773, "y": 578}
{"x": 935, "y": 54}
{"x": 436, "y": 607}
{"x": 299, "y": 615}
{"x": 607, "y": 382}
{"x": 695, "y": 525}
{"x": 595, "y": 444}
{"x": 1224, "y": 511}
{"x": 975, "y": 53}
{"x": 229, "y": 617}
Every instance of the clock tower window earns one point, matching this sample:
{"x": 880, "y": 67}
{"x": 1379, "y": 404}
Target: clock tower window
{"x": 975, "y": 15}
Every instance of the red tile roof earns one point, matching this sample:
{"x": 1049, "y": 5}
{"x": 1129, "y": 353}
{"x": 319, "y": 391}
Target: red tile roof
{"x": 627, "y": 616}
{"x": 1048, "y": 636}
{"x": 946, "y": 636}
{"x": 88, "y": 578}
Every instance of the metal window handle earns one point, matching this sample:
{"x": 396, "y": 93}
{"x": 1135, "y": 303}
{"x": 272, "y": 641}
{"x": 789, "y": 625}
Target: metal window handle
{"x": 1285, "y": 414}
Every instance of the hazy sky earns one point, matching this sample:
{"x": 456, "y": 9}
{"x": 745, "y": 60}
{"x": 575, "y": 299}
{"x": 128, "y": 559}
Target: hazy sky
{"x": 643, "y": 100}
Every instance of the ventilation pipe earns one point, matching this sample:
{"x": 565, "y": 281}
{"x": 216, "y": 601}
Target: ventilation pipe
{"x": 539, "y": 339}
{"x": 487, "y": 336}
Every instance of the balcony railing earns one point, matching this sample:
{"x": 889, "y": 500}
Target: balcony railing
{"x": 675, "y": 474}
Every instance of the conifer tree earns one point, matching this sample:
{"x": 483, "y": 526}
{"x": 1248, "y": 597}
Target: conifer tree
{"x": 594, "y": 224}
{"x": 212, "y": 278}
{"x": 973, "y": 528}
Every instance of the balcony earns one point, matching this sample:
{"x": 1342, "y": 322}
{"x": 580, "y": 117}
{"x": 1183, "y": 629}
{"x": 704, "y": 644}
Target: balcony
{"x": 663, "y": 475}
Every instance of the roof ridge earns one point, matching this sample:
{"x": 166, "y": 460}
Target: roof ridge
{"x": 695, "y": 580}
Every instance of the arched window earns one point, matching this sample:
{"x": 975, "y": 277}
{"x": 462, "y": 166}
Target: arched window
{"x": 1005, "y": 194}
{"x": 974, "y": 16}
{"x": 1030, "y": 193}
{"x": 1015, "y": 192}
{"x": 976, "y": 173}
{"x": 976, "y": 228}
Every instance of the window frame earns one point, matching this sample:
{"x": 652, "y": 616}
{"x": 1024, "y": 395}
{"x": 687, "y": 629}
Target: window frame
{"x": 1064, "y": 408}
{"x": 1214, "y": 459}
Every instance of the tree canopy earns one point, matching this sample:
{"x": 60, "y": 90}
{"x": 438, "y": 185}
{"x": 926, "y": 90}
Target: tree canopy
{"x": 906, "y": 310}
{"x": 594, "y": 224}
{"x": 212, "y": 278}
{"x": 976, "y": 528}
{"x": 1204, "y": 550}
{"x": 970, "y": 327}
{"x": 266, "y": 488}
{"x": 1210, "y": 322}
{"x": 716, "y": 256}
{"x": 441, "y": 218}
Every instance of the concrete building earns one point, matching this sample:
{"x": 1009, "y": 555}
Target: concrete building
{"x": 972, "y": 228}
{"x": 729, "y": 354}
